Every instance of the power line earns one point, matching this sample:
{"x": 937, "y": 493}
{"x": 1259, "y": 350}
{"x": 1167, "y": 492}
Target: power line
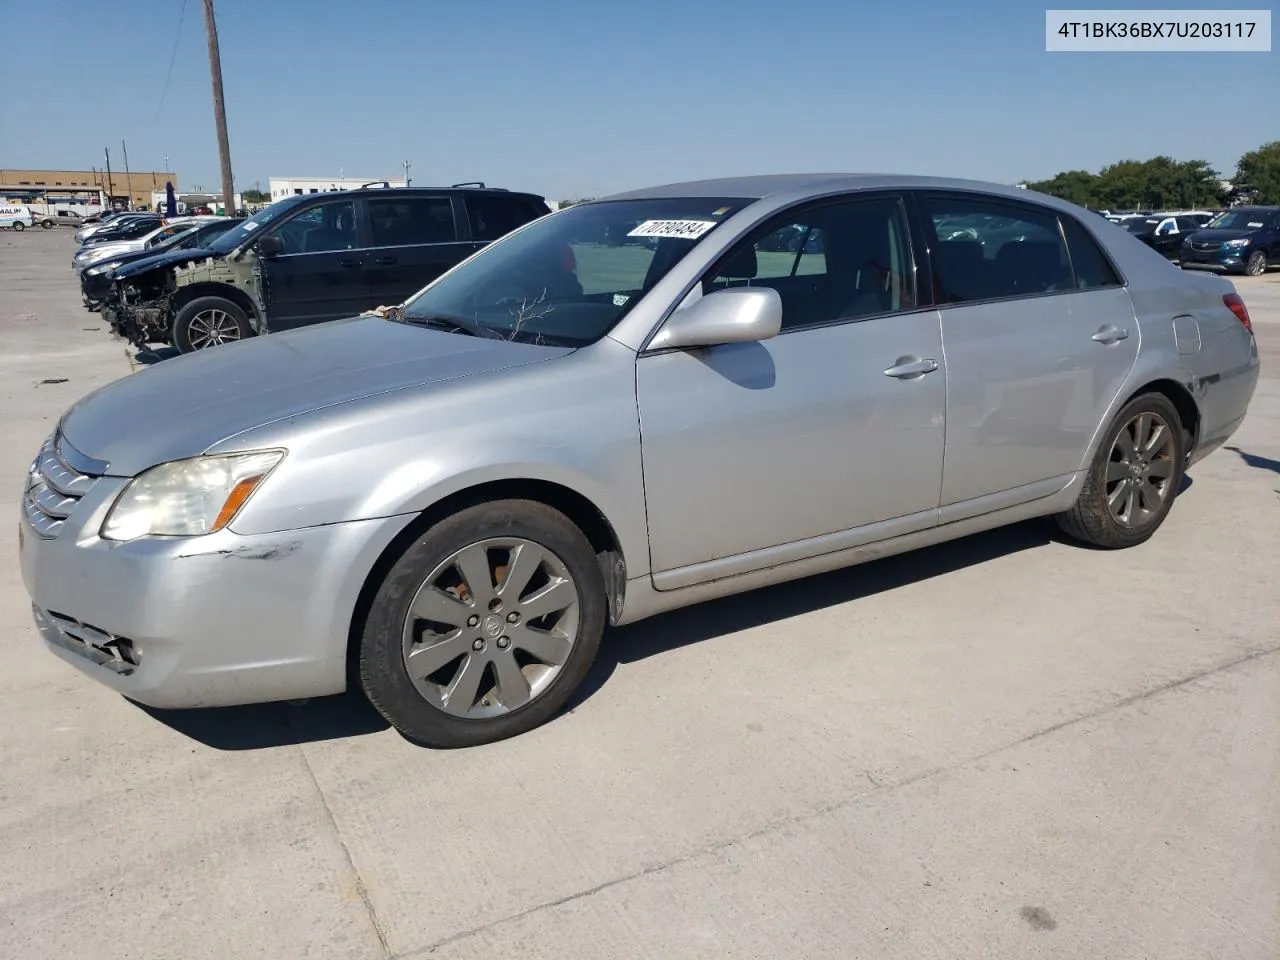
{"x": 173, "y": 56}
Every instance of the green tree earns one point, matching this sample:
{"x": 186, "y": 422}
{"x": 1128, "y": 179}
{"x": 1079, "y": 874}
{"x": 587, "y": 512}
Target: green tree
{"x": 255, "y": 196}
{"x": 1260, "y": 170}
{"x": 1074, "y": 186}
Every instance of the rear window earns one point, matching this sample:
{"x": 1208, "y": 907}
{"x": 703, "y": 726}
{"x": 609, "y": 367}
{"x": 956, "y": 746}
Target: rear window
{"x": 493, "y": 216}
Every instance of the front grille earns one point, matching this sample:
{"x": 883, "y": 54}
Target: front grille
{"x": 1206, "y": 245}
{"x": 105, "y": 649}
{"x": 59, "y": 477}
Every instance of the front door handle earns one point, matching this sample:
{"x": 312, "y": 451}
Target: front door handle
{"x": 909, "y": 369}
{"x": 348, "y": 262}
{"x": 1110, "y": 334}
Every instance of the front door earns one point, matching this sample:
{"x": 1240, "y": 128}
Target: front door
{"x": 835, "y": 424}
{"x": 414, "y": 239}
{"x": 319, "y": 274}
{"x": 1039, "y": 339}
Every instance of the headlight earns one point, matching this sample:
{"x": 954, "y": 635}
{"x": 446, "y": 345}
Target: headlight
{"x": 1242, "y": 242}
{"x": 187, "y": 498}
{"x": 93, "y": 256}
{"x": 103, "y": 268}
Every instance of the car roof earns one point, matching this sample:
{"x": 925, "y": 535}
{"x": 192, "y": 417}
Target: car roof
{"x": 760, "y": 187}
{"x": 395, "y": 191}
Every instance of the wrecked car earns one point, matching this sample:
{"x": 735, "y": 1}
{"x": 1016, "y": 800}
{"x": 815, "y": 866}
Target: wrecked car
{"x": 309, "y": 259}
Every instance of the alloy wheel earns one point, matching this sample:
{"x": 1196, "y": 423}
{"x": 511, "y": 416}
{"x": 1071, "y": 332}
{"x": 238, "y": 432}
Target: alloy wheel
{"x": 1257, "y": 264}
{"x": 211, "y": 328}
{"x": 491, "y": 627}
{"x": 1140, "y": 470}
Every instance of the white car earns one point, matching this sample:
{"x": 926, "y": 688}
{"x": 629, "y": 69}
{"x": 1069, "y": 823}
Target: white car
{"x": 103, "y": 251}
{"x": 16, "y": 218}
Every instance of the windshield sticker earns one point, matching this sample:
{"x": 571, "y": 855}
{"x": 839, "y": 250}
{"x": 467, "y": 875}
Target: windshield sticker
{"x": 250, "y": 225}
{"x": 1255, "y": 226}
{"x": 620, "y": 299}
{"x": 720, "y": 212}
{"x": 678, "y": 229}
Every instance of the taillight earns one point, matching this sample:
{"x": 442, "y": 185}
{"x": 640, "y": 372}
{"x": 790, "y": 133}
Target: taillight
{"x": 1236, "y": 305}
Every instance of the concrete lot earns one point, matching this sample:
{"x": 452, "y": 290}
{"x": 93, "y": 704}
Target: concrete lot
{"x": 1004, "y": 747}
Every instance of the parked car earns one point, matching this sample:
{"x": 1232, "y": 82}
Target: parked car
{"x": 312, "y": 258}
{"x": 113, "y": 225}
{"x": 65, "y": 218}
{"x": 15, "y": 217}
{"x": 1241, "y": 240}
{"x": 96, "y": 281}
{"x": 455, "y": 500}
{"x": 92, "y": 253}
{"x": 1163, "y": 233}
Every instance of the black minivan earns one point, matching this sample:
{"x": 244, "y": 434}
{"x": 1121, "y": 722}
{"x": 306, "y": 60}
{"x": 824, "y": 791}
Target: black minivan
{"x": 309, "y": 259}
{"x": 1241, "y": 240}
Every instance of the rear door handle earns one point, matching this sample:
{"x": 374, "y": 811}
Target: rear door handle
{"x": 385, "y": 261}
{"x": 908, "y": 369}
{"x": 1110, "y": 334}
{"x": 348, "y": 262}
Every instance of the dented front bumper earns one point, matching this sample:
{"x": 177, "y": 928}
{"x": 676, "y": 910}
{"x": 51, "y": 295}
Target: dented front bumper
{"x": 200, "y": 621}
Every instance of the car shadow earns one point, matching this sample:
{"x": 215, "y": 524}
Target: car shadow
{"x": 260, "y": 725}
{"x": 755, "y": 608}
{"x": 153, "y": 355}
{"x": 1253, "y": 460}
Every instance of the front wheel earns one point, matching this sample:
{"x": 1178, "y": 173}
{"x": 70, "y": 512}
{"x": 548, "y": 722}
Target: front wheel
{"x": 19, "y": 226}
{"x": 1136, "y": 473}
{"x": 485, "y": 625}
{"x": 209, "y": 322}
{"x": 1257, "y": 264}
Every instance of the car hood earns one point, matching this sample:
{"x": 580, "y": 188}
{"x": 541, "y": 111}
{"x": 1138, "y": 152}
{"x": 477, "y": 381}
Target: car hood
{"x": 1221, "y": 234}
{"x": 181, "y": 407}
{"x": 158, "y": 261}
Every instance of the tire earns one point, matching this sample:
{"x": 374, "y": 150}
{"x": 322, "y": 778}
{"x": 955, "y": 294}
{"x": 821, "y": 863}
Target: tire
{"x": 1116, "y": 484}
{"x": 193, "y": 325}
{"x": 19, "y": 226}
{"x": 1256, "y": 265}
{"x": 423, "y": 709}
{"x": 47, "y": 224}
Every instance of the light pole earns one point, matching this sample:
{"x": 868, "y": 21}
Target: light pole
{"x": 407, "y": 182}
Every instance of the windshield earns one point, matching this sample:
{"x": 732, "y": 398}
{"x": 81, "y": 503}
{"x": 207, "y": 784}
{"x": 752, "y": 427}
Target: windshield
{"x": 248, "y": 228}
{"x": 567, "y": 279}
{"x": 1238, "y": 220}
{"x": 1139, "y": 226}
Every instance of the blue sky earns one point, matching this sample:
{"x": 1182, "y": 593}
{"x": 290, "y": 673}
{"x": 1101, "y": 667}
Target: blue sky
{"x": 570, "y": 98}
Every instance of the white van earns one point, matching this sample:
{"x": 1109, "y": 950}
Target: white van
{"x": 16, "y": 218}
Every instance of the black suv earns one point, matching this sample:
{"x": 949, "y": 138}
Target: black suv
{"x": 311, "y": 258}
{"x": 1241, "y": 240}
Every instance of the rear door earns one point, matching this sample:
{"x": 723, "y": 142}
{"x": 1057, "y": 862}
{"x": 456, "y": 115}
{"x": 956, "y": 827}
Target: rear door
{"x": 319, "y": 274}
{"x": 413, "y": 239}
{"x": 1039, "y": 337}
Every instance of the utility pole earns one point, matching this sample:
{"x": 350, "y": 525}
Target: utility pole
{"x": 407, "y": 182}
{"x": 128, "y": 179}
{"x": 219, "y": 110}
{"x": 110, "y": 186}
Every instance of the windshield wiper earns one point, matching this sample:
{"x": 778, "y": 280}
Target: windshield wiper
{"x": 453, "y": 325}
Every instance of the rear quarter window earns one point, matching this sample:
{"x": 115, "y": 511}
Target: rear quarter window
{"x": 493, "y": 216}
{"x": 1092, "y": 268}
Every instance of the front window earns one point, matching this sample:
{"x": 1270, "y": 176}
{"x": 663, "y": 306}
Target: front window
{"x": 569, "y": 278}
{"x": 1238, "y": 220}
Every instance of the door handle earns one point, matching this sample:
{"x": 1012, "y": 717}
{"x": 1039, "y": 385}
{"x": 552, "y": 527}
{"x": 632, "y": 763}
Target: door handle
{"x": 1110, "y": 334}
{"x": 908, "y": 369}
{"x": 348, "y": 262}
{"x": 385, "y": 261}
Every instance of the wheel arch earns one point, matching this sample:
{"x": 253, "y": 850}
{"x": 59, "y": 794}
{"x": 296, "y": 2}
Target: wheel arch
{"x": 184, "y": 295}
{"x": 578, "y": 508}
{"x": 1183, "y": 401}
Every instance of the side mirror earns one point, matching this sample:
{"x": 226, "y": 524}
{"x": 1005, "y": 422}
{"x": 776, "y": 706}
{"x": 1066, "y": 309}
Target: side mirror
{"x": 735, "y": 315}
{"x": 270, "y": 246}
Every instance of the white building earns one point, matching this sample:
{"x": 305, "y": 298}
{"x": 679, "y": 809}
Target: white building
{"x": 282, "y": 187}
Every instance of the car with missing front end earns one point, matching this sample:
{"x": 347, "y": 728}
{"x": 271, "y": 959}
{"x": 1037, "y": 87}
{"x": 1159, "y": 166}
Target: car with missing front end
{"x": 97, "y": 280}
{"x": 310, "y": 259}
{"x": 447, "y": 505}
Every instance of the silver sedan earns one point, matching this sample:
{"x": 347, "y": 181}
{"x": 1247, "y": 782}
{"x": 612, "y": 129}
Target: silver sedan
{"x": 622, "y": 408}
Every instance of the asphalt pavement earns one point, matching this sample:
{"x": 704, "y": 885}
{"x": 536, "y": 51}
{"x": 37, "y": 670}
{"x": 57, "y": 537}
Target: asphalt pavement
{"x": 1008, "y": 746}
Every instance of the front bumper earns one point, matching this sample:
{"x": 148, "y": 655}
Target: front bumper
{"x": 1218, "y": 261}
{"x": 206, "y": 621}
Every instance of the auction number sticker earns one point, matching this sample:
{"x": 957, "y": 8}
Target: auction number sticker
{"x": 679, "y": 229}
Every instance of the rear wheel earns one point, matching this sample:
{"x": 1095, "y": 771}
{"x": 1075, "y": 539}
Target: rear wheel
{"x": 1134, "y": 477}
{"x": 484, "y": 626}
{"x": 47, "y": 224}
{"x": 1256, "y": 266}
{"x": 209, "y": 322}
{"x": 19, "y": 225}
